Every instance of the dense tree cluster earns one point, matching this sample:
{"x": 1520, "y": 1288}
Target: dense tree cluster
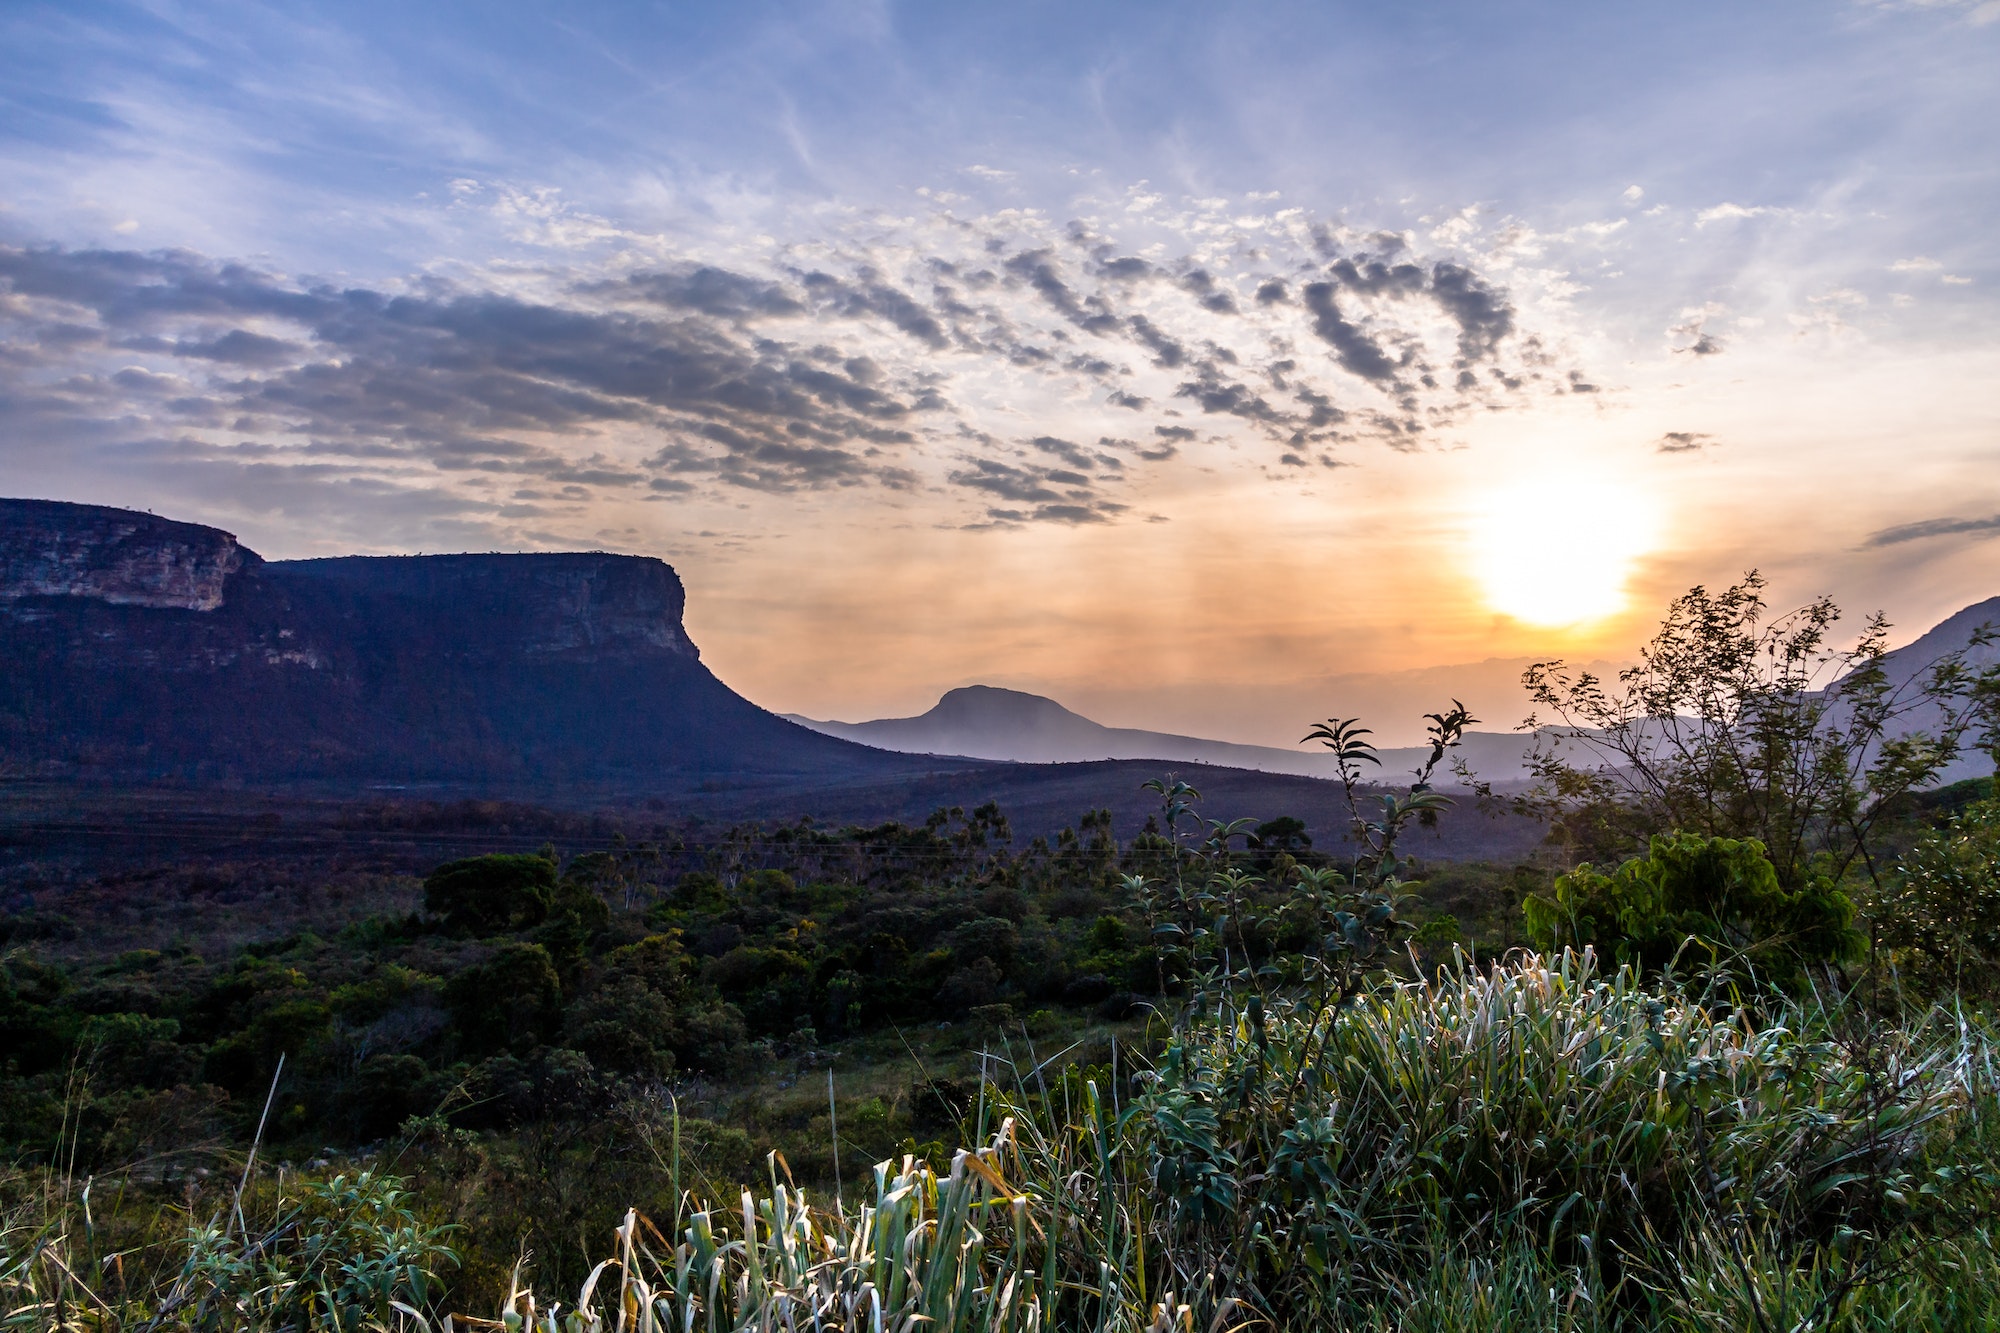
{"x": 524, "y": 979}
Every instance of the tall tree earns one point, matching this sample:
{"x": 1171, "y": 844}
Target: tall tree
{"x": 1737, "y": 723}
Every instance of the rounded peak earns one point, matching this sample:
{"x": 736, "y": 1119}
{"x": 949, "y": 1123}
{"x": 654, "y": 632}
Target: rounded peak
{"x": 995, "y": 703}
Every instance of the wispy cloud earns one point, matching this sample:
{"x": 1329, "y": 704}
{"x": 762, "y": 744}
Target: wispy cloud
{"x": 1731, "y": 212}
{"x": 1932, "y": 527}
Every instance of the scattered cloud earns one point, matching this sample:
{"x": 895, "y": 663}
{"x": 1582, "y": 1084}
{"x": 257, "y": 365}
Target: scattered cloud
{"x": 1692, "y": 336}
{"x": 1932, "y": 527}
{"x": 1728, "y": 212}
{"x": 1683, "y": 442}
{"x": 867, "y": 364}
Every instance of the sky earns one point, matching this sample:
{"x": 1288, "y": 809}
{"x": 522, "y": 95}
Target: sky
{"x": 1212, "y": 368}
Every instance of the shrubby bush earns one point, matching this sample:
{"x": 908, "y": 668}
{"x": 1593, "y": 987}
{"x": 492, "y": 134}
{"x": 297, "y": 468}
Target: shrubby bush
{"x": 1700, "y": 902}
{"x": 1939, "y": 914}
{"x": 487, "y": 895}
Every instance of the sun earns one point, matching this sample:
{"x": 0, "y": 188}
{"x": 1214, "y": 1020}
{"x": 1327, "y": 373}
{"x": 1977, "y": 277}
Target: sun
{"x": 1558, "y": 552}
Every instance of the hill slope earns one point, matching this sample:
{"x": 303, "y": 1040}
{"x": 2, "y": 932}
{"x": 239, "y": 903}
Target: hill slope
{"x": 1955, "y": 634}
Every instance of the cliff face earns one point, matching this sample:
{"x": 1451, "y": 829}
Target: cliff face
{"x": 137, "y": 648}
{"x": 52, "y": 549}
{"x": 539, "y": 606}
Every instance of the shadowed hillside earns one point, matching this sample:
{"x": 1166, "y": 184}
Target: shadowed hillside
{"x": 140, "y": 649}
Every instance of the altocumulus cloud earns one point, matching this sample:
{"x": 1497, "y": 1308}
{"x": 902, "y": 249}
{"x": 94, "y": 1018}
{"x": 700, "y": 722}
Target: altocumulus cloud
{"x": 881, "y": 364}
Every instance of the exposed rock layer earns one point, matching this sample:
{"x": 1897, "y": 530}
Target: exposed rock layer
{"x": 52, "y": 549}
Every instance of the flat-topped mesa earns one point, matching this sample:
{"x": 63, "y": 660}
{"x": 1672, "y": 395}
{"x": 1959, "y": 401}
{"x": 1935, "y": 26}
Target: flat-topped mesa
{"x": 51, "y": 548}
{"x": 133, "y": 647}
{"x": 570, "y": 604}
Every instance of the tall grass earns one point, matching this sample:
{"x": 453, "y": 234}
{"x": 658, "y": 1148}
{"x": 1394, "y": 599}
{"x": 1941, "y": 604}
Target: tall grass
{"x": 1605, "y": 1119}
{"x": 1532, "y": 1146}
{"x": 341, "y": 1253}
{"x": 1529, "y": 1146}
{"x": 937, "y": 1252}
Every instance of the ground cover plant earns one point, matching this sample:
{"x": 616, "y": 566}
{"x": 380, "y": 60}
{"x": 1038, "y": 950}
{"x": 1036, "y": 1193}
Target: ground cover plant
{"x": 1663, "y": 1077}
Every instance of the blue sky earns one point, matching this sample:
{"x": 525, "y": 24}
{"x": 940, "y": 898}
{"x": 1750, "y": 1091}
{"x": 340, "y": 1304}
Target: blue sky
{"x": 330, "y": 109}
{"x": 1690, "y": 288}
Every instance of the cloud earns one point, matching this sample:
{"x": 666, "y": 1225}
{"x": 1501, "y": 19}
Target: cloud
{"x": 1039, "y": 270}
{"x": 1008, "y": 482}
{"x": 1483, "y": 314}
{"x": 1063, "y": 449}
{"x": 1728, "y": 212}
{"x": 1682, "y": 442}
{"x": 1932, "y": 527}
{"x": 237, "y": 347}
{"x": 1166, "y": 352}
{"x": 1693, "y": 336}
{"x": 712, "y": 291}
{"x": 1208, "y": 294}
{"x": 1352, "y": 347}
{"x": 868, "y": 363}
{"x": 456, "y": 378}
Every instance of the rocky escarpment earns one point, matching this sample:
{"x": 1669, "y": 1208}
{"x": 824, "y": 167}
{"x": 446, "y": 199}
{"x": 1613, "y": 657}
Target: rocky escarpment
{"x": 52, "y": 549}
{"x": 133, "y": 647}
{"x": 559, "y": 606}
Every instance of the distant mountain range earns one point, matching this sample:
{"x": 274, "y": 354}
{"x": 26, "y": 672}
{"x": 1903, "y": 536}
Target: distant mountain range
{"x": 139, "y": 650}
{"x": 986, "y": 722}
{"x": 1952, "y": 635}
{"x": 158, "y": 680}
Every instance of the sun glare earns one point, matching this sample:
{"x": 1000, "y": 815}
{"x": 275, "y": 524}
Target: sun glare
{"x": 1559, "y": 552}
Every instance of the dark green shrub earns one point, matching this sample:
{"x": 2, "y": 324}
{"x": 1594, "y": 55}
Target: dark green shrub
{"x": 485, "y": 895}
{"x": 986, "y": 937}
{"x": 138, "y": 1051}
{"x": 644, "y": 1013}
{"x": 1721, "y": 893}
{"x": 33, "y": 1034}
{"x": 389, "y": 988}
{"x": 510, "y": 1002}
{"x": 388, "y": 1089}
{"x": 288, "y": 1025}
{"x": 972, "y": 986}
{"x": 1939, "y": 916}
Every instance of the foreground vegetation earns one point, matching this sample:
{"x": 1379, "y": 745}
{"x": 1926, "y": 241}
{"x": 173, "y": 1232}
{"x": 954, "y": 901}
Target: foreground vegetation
{"x": 1740, "y": 1076}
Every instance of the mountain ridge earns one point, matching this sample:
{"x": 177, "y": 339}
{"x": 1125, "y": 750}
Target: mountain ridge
{"x": 992, "y": 722}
